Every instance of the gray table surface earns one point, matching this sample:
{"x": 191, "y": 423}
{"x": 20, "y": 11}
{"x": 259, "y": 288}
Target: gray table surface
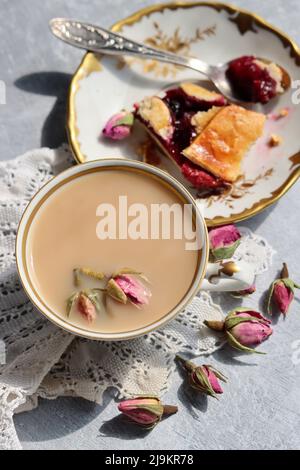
{"x": 260, "y": 409}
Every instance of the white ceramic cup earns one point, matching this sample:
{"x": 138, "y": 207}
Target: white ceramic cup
{"x": 223, "y": 276}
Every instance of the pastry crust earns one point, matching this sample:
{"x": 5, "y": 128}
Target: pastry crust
{"x": 157, "y": 114}
{"x": 223, "y": 143}
{"x": 200, "y": 93}
{"x": 201, "y": 119}
{"x": 274, "y": 71}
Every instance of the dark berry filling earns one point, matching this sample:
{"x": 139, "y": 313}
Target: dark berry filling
{"x": 206, "y": 182}
{"x": 180, "y": 102}
{"x": 183, "y": 107}
{"x": 250, "y": 81}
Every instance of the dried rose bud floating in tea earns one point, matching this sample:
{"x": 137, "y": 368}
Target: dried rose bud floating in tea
{"x": 125, "y": 286}
{"x": 122, "y": 286}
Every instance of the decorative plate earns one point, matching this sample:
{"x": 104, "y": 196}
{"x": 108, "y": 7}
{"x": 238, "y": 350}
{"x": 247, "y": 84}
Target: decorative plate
{"x": 216, "y": 33}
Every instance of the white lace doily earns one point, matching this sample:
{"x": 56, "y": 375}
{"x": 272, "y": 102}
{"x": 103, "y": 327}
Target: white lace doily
{"x": 41, "y": 360}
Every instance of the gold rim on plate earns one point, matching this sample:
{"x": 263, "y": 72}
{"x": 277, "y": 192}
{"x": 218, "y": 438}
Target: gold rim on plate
{"x": 90, "y": 64}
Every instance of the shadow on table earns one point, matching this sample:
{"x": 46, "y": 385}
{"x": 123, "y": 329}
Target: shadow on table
{"x": 120, "y": 427}
{"x": 254, "y": 222}
{"x": 53, "y": 419}
{"x": 229, "y": 355}
{"x": 192, "y": 400}
{"x": 195, "y": 401}
{"x": 50, "y": 84}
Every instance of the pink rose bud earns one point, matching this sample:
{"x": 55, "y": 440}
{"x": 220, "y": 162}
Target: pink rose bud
{"x": 86, "y": 302}
{"x": 114, "y": 291}
{"x": 244, "y": 293}
{"x": 251, "y": 332}
{"x": 125, "y": 285}
{"x": 135, "y": 290}
{"x": 283, "y": 295}
{"x": 86, "y": 307}
{"x": 243, "y": 328}
{"x": 282, "y": 292}
{"x": 119, "y": 126}
{"x": 146, "y": 411}
{"x": 224, "y": 241}
{"x": 203, "y": 378}
{"x": 211, "y": 374}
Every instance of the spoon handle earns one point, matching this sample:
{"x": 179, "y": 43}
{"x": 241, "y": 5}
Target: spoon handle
{"x": 96, "y": 39}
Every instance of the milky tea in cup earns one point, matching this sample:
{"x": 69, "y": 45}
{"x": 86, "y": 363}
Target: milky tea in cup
{"x": 101, "y": 218}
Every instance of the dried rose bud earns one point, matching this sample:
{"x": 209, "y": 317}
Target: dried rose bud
{"x": 114, "y": 291}
{"x": 124, "y": 286}
{"x": 243, "y": 328}
{"x": 77, "y": 272}
{"x": 87, "y": 303}
{"x": 146, "y": 411}
{"x": 119, "y": 126}
{"x": 224, "y": 241}
{"x": 244, "y": 293}
{"x": 71, "y": 302}
{"x": 203, "y": 378}
{"x": 86, "y": 307}
{"x": 135, "y": 290}
{"x": 282, "y": 291}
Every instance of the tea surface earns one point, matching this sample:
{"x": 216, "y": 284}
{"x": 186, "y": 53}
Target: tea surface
{"x": 63, "y": 237}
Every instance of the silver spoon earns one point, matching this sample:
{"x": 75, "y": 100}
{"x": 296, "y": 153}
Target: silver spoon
{"x": 96, "y": 39}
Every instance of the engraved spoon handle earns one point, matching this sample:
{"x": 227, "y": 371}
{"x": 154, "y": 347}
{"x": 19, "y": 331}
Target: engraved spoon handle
{"x": 96, "y": 39}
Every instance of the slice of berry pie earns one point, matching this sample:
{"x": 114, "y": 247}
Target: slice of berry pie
{"x": 206, "y": 137}
{"x": 220, "y": 147}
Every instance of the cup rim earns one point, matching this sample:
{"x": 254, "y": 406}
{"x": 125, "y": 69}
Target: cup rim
{"x": 75, "y": 172}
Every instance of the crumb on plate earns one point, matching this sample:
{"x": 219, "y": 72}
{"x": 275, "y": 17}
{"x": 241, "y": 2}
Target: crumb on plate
{"x": 275, "y": 140}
